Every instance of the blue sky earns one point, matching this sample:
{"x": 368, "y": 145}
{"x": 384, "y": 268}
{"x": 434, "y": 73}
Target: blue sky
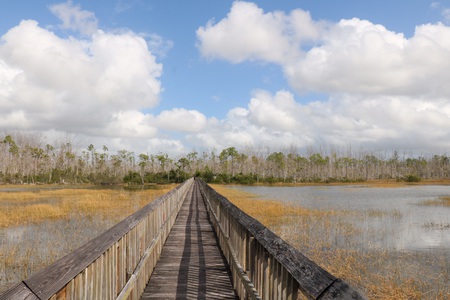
{"x": 173, "y": 76}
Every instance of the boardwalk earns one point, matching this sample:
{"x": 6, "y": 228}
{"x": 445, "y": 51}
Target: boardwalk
{"x": 191, "y": 264}
{"x": 129, "y": 261}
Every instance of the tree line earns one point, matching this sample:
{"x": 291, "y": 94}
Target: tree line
{"x": 23, "y": 159}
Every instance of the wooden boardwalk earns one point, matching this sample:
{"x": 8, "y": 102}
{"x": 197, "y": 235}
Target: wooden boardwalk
{"x": 191, "y": 265}
{"x": 129, "y": 260}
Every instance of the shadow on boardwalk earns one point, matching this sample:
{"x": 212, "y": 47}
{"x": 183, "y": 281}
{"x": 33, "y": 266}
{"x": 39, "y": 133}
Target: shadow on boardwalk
{"x": 191, "y": 265}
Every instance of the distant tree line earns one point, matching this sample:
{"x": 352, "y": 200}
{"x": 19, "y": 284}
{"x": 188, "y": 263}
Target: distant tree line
{"x": 23, "y": 159}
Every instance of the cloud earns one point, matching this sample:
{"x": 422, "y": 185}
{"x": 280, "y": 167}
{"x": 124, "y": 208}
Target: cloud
{"x": 180, "y": 119}
{"x": 351, "y": 56}
{"x": 247, "y": 33}
{"x": 383, "y": 123}
{"x": 74, "y": 18}
{"x": 360, "y": 57}
{"x": 278, "y": 113}
{"x": 125, "y": 5}
{"x": 77, "y": 85}
{"x": 158, "y": 45}
{"x": 445, "y": 11}
{"x": 446, "y": 15}
{"x": 96, "y": 87}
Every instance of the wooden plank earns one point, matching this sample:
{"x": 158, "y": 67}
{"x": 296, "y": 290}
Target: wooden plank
{"x": 191, "y": 265}
{"x": 19, "y": 291}
{"x": 340, "y": 290}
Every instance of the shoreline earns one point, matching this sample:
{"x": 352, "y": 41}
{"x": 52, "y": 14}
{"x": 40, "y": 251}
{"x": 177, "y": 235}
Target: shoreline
{"x": 370, "y": 183}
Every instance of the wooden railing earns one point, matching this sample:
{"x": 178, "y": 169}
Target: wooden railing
{"x": 115, "y": 265}
{"x": 264, "y": 266}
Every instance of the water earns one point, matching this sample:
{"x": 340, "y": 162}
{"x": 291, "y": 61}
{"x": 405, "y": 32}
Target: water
{"x": 391, "y": 218}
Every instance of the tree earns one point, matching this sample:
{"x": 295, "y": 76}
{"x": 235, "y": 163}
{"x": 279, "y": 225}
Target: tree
{"x": 229, "y": 154}
{"x": 277, "y": 165}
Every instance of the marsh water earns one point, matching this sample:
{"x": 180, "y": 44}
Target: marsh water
{"x": 28, "y": 248}
{"x": 398, "y": 218}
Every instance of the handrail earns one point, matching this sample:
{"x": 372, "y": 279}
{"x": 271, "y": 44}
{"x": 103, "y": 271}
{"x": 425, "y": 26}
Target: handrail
{"x": 264, "y": 266}
{"x": 115, "y": 265}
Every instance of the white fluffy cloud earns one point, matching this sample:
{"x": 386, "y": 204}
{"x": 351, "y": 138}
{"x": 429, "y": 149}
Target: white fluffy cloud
{"x": 96, "y": 87}
{"x": 180, "y": 119}
{"x": 351, "y": 56}
{"x": 359, "y": 57}
{"x": 385, "y": 90}
{"x": 399, "y": 122}
{"x": 79, "y": 85}
{"x": 247, "y": 33}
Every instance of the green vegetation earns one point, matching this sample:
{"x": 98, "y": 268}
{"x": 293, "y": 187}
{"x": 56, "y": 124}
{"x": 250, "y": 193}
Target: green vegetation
{"x": 24, "y": 159}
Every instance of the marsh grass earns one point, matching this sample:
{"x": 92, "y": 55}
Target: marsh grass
{"x": 331, "y": 239}
{"x": 39, "y": 227}
{"x": 441, "y": 201}
{"x": 21, "y": 208}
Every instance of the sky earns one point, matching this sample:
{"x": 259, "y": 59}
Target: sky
{"x": 180, "y": 76}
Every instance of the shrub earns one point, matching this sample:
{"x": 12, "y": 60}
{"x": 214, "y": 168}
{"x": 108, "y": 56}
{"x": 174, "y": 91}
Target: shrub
{"x": 412, "y": 178}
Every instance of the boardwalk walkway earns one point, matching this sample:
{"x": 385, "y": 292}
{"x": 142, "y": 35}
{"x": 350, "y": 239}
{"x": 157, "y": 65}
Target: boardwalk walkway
{"x": 191, "y": 264}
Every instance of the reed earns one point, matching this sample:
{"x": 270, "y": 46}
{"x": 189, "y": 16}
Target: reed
{"x": 21, "y": 208}
{"x": 329, "y": 239}
{"x": 441, "y": 201}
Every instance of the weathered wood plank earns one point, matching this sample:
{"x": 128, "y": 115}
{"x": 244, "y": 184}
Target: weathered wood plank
{"x": 191, "y": 265}
{"x": 341, "y": 291}
{"x": 19, "y": 291}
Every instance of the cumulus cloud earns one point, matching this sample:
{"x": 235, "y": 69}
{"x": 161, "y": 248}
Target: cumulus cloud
{"x": 384, "y": 90}
{"x": 388, "y": 122}
{"x": 360, "y": 57}
{"x": 77, "y": 85}
{"x": 247, "y": 33}
{"x": 97, "y": 86}
{"x": 278, "y": 113}
{"x": 180, "y": 119}
{"x": 350, "y": 56}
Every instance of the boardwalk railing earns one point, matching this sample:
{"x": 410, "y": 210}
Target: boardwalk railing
{"x": 115, "y": 265}
{"x": 263, "y": 266}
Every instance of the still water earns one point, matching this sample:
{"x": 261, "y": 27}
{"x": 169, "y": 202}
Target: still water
{"x": 398, "y": 216}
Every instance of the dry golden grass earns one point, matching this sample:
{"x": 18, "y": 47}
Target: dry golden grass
{"x": 21, "y": 208}
{"x": 38, "y": 227}
{"x": 269, "y": 212}
{"x": 379, "y": 274}
{"x": 441, "y": 201}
